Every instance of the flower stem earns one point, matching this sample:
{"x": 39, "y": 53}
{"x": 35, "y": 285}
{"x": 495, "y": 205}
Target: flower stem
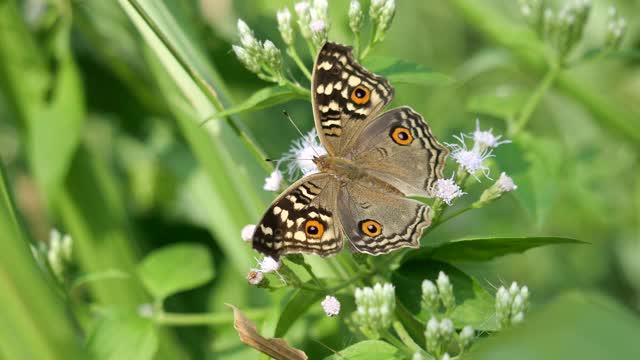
{"x": 219, "y": 318}
{"x": 395, "y": 342}
{"x": 534, "y": 100}
{"x": 294, "y": 55}
{"x": 405, "y": 337}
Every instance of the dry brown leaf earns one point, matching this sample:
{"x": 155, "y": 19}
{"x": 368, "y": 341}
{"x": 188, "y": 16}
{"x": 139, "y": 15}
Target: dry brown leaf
{"x": 276, "y": 348}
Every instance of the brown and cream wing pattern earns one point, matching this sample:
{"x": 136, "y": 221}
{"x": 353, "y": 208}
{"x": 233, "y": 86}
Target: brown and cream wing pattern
{"x": 301, "y": 220}
{"x": 345, "y": 96}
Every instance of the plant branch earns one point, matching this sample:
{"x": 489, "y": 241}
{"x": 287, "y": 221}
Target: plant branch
{"x": 294, "y": 55}
{"x": 534, "y": 100}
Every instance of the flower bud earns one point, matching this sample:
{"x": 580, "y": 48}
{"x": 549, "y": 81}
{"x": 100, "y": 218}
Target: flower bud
{"x": 249, "y": 61}
{"x": 429, "y": 296}
{"x": 446, "y": 291}
{"x": 272, "y": 56}
{"x": 284, "y": 26}
{"x": 356, "y": 16}
{"x": 432, "y": 335}
{"x": 304, "y": 18}
{"x": 466, "y": 336}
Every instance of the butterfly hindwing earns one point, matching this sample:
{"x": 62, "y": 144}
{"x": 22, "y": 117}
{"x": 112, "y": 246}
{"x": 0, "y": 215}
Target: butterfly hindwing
{"x": 345, "y": 97}
{"x": 288, "y": 225}
{"x": 378, "y": 218}
{"x": 399, "y": 148}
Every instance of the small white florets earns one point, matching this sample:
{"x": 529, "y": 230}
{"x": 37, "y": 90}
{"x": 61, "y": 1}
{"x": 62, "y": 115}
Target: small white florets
{"x": 301, "y": 154}
{"x": 331, "y": 305}
{"x": 505, "y": 183}
{"x": 247, "y": 232}
{"x": 446, "y": 190}
{"x": 273, "y": 181}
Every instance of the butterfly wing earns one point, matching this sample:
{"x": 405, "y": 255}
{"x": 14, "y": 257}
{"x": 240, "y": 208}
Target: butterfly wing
{"x": 301, "y": 220}
{"x": 345, "y": 96}
{"x": 377, "y": 218}
{"x": 399, "y": 148}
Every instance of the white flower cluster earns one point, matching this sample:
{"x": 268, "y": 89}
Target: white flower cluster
{"x": 511, "y": 305}
{"x": 381, "y": 13}
{"x": 472, "y": 160}
{"x": 616, "y": 28}
{"x": 447, "y": 190}
{"x": 432, "y": 294}
{"x": 267, "y": 265}
{"x": 261, "y": 58}
{"x": 300, "y": 156}
{"x": 59, "y": 252}
{"x": 313, "y": 20}
{"x": 331, "y": 305}
{"x": 375, "y": 308}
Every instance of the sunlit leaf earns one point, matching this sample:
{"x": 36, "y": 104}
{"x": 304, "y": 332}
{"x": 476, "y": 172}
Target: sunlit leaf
{"x": 262, "y": 98}
{"x": 367, "y": 350}
{"x": 489, "y": 248}
{"x": 175, "y": 268}
{"x": 123, "y": 335}
{"x": 399, "y": 71}
{"x": 297, "y": 305}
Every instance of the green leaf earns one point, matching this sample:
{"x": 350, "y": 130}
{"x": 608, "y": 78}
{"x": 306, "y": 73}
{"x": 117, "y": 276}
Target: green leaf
{"x": 475, "y": 306}
{"x": 574, "y": 326}
{"x": 367, "y": 350}
{"x": 296, "y": 306}
{"x": 175, "y": 268}
{"x": 262, "y": 98}
{"x": 123, "y": 335}
{"x": 489, "y": 248}
{"x": 399, "y": 71}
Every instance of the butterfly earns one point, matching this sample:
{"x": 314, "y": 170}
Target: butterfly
{"x": 373, "y": 163}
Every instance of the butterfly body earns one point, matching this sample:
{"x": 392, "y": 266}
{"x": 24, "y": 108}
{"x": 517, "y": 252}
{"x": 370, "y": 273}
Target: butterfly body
{"x": 372, "y": 163}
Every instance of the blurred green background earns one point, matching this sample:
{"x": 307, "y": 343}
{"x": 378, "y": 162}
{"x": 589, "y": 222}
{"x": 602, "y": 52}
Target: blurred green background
{"x": 100, "y": 138}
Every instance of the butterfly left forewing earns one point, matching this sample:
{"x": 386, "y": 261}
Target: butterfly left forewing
{"x": 345, "y": 97}
{"x": 377, "y": 218}
{"x": 286, "y": 226}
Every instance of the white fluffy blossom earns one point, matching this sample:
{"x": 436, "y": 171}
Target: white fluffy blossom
{"x": 254, "y": 277}
{"x": 505, "y": 183}
{"x": 269, "y": 264}
{"x": 471, "y": 160}
{"x": 247, "y": 232}
{"x": 486, "y": 139}
{"x": 331, "y": 305}
{"x": 446, "y": 190}
{"x": 273, "y": 181}
{"x": 301, "y": 154}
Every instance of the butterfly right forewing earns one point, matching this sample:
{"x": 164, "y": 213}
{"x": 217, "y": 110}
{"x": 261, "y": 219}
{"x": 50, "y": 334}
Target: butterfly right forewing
{"x": 345, "y": 96}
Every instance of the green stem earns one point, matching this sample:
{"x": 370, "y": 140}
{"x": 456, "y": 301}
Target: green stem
{"x": 181, "y": 319}
{"x": 356, "y": 44}
{"x": 457, "y": 213}
{"x": 297, "y": 88}
{"x": 406, "y": 338}
{"x": 534, "y": 100}
{"x": 312, "y": 48}
{"x": 294, "y": 55}
{"x": 395, "y": 342}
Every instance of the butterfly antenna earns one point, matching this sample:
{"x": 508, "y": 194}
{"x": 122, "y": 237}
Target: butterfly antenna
{"x": 286, "y": 114}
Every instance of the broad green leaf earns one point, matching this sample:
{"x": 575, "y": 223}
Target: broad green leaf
{"x": 475, "y": 306}
{"x": 123, "y": 335}
{"x": 262, "y": 98}
{"x": 35, "y": 319}
{"x": 399, "y": 71}
{"x": 367, "y": 350}
{"x": 300, "y": 301}
{"x": 175, "y": 268}
{"x": 574, "y": 326}
{"x": 489, "y": 248}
